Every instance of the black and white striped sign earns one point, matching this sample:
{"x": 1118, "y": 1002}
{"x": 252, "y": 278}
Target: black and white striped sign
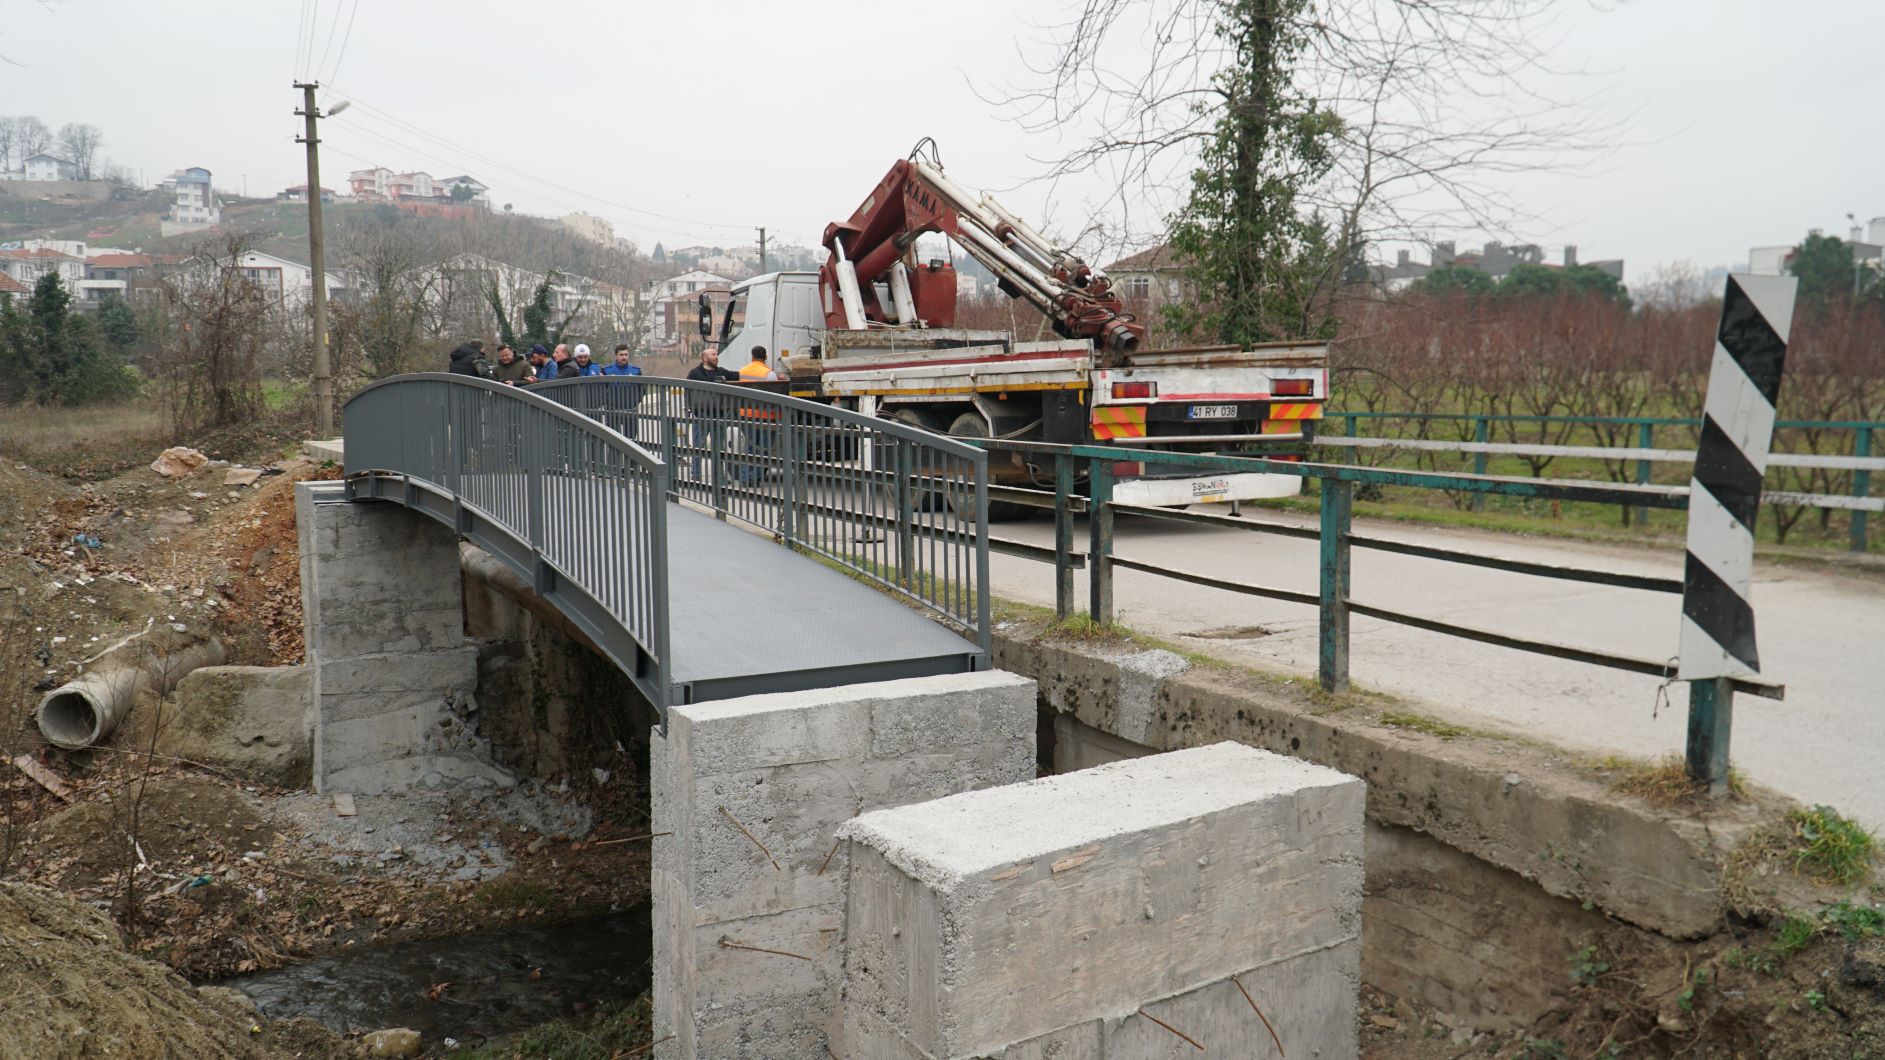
{"x": 1725, "y": 492}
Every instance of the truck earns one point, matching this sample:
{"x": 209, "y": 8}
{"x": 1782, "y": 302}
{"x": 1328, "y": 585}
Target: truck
{"x": 873, "y": 330}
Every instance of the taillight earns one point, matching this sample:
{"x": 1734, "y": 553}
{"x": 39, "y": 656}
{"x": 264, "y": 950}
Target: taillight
{"x": 1128, "y": 468}
{"x": 1291, "y": 387}
{"x": 1122, "y": 391}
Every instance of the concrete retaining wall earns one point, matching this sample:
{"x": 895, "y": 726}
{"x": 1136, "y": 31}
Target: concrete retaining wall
{"x": 749, "y": 885}
{"x": 1539, "y": 849}
{"x": 1060, "y": 917}
{"x": 385, "y": 631}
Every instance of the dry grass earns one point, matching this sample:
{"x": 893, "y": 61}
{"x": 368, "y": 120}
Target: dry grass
{"x": 34, "y": 429}
{"x": 84, "y": 441}
{"x": 1665, "y": 782}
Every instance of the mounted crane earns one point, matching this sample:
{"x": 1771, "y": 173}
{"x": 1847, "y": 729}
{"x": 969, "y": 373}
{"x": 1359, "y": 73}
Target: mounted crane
{"x": 874, "y": 329}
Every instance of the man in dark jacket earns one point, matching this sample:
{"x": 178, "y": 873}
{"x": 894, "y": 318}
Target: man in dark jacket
{"x": 565, "y": 367}
{"x": 466, "y": 359}
{"x": 510, "y": 369}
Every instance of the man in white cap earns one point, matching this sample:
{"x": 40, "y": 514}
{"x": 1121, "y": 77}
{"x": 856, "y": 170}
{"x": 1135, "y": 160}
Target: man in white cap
{"x": 584, "y": 365}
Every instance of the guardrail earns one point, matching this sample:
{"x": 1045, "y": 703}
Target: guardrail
{"x": 570, "y": 504}
{"x": 1334, "y": 597}
{"x": 1860, "y": 461}
{"x": 892, "y": 504}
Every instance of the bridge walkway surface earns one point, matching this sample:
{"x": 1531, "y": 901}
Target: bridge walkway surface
{"x": 673, "y": 564}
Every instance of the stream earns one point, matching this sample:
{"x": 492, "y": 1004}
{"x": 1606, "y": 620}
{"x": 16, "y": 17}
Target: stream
{"x": 492, "y": 993}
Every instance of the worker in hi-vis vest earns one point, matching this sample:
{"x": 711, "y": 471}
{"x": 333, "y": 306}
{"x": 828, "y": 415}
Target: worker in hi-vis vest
{"x": 757, "y": 370}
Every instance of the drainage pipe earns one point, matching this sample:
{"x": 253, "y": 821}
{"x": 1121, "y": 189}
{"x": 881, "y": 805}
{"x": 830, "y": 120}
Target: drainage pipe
{"x": 83, "y": 711}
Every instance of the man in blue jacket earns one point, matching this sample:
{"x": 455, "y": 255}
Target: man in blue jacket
{"x": 585, "y": 366}
{"x": 621, "y": 365}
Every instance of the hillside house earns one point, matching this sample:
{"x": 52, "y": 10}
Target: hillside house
{"x": 299, "y": 193}
{"x": 45, "y": 166}
{"x": 193, "y": 206}
{"x": 26, "y": 265}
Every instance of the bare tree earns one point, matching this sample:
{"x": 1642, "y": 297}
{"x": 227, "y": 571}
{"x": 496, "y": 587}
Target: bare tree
{"x": 212, "y": 372}
{"x": 9, "y": 135}
{"x": 80, "y": 142}
{"x": 31, "y": 136}
{"x": 396, "y": 313}
{"x": 1432, "y": 101}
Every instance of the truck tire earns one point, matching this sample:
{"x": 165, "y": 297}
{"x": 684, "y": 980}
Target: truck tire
{"x": 972, "y": 425}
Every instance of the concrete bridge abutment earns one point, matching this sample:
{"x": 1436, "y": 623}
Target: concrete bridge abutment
{"x": 393, "y": 674}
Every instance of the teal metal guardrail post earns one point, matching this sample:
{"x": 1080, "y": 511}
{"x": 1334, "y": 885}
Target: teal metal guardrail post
{"x": 1338, "y": 502}
{"x": 1645, "y": 438}
{"x": 906, "y": 507}
{"x": 1100, "y": 541}
{"x": 1711, "y": 720}
{"x": 716, "y": 458}
{"x": 1482, "y": 434}
{"x": 789, "y": 478}
{"x": 1861, "y": 486}
{"x": 1063, "y": 537}
{"x": 1349, "y": 417}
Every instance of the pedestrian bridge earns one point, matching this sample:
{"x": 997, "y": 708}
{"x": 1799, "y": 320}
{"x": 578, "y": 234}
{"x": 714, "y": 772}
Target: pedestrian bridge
{"x": 712, "y": 540}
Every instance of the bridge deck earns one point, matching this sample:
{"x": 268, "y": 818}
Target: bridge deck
{"x": 749, "y": 616}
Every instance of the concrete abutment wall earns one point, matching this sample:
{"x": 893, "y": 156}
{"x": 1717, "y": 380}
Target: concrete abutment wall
{"x": 393, "y": 674}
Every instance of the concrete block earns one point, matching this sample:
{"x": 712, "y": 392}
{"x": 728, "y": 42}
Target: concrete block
{"x": 252, "y": 719}
{"x": 1309, "y": 1002}
{"x": 1134, "y": 881}
{"x": 790, "y": 769}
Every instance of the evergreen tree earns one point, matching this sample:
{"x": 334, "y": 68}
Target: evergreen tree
{"x": 49, "y": 341}
{"x": 118, "y": 326}
{"x": 1259, "y": 264}
{"x": 1449, "y": 278}
{"x": 16, "y": 382}
{"x": 660, "y": 255}
{"x": 1825, "y": 268}
{"x": 537, "y": 313}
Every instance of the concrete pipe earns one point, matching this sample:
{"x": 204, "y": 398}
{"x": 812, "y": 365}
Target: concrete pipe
{"x": 81, "y": 712}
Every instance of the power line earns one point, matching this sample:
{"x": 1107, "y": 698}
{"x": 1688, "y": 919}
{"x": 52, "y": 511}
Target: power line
{"x": 344, "y": 38}
{"x": 314, "y": 19}
{"x": 301, "y": 30}
{"x": 468, "y": 152}
{"x": 332, "y": 26}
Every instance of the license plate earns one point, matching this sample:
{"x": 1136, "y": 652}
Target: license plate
{"x": 1210, "y": 489}
{"x": 1212, "y": 412}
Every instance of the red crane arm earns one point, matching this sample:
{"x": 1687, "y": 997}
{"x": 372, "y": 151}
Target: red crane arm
{"x": 878, "y": 241}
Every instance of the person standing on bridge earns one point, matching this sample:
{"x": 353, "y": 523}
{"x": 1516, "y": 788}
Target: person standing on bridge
{"x": 621, "y": 365}
{"x": 585, "y": 366}
{"x": 510, "y": 369}
{"x": 468, "y": 359}
{"x": 541, "y": 367}
{"x": 565, "y": 368}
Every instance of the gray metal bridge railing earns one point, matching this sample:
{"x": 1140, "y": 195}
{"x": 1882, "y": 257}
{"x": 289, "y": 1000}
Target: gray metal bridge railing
{"x": 570, "y": 504}
{"x": 889, "y": 503}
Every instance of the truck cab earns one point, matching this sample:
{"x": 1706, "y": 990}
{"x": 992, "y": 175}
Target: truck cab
{"x": 783, "y": 315}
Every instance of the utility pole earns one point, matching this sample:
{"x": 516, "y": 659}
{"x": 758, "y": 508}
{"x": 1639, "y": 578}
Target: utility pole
{"x": 317, "y": 261}
{"x": 762, "y": 250}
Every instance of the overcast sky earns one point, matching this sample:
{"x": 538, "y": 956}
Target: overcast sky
{"x": 1750, "y": 121}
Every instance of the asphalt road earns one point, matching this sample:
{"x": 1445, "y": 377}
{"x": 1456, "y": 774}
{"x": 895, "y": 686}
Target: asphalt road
{"x": 1821, "y": 632}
